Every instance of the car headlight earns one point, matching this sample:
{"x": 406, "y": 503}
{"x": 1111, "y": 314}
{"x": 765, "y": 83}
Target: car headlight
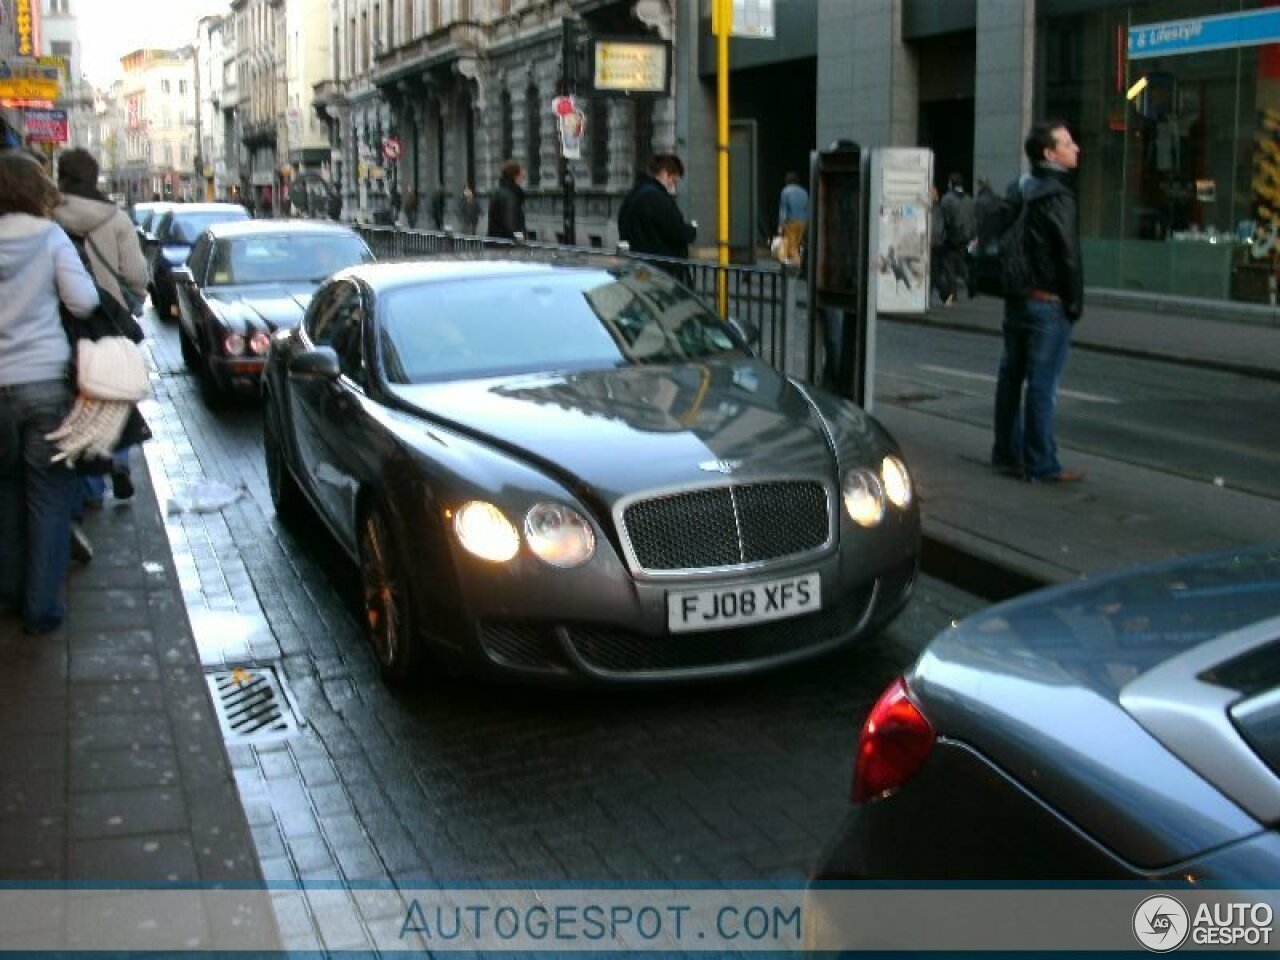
{"x": 233, "y": 344}
{"x": 863, "y": 497}
{"x": 259, "y": 343}
{"x": 896, "y": 481}
{"x": 484, "y": 531}
{"x": 559, "y": 535}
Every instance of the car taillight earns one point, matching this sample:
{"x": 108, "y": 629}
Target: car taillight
{"x": 893, "y": 745}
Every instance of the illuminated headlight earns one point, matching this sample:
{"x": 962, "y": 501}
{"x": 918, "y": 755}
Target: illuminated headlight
{"x": 863, "y": 497}
{"x": 559, "y": 535}
{"x": 896, "y": 481}
{"x": 233, "y": 344}
{"x": 259, "y": 343}
{"x": 484, "y": 531}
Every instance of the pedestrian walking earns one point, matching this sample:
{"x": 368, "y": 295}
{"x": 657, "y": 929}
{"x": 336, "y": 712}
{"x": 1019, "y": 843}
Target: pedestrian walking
{"x": 468, "y": 211}
{"x": 411, "y": 208}
{"x": 506, "y": 207}
{"x": 39, "y": 271}
{"x": 1037, "y": 327}
{"x": 937, "y": 248}
{"x": 957, "y": 232}
{"x": 115, "y": 258}
{"x": 793, "y": 219}
{"x": 651, "y": 221}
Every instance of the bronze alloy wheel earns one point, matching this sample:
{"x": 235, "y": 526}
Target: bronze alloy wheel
{"x": 388, "y": 624}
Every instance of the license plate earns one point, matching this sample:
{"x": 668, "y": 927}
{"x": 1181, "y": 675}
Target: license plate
{"x": 721, "y": 607}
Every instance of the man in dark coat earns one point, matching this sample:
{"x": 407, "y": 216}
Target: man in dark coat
{"x": 1037, "y": 328}
{"x": 506, "y": 207}
{"x": 650, "y": 220}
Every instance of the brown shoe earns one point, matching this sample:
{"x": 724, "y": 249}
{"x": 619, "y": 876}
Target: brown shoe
{"x": 1073, "y": 475}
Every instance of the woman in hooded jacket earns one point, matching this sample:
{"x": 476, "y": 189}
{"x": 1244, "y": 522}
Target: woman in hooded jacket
{"x": 39, "y": 268}
{"x": 115, "y": 256}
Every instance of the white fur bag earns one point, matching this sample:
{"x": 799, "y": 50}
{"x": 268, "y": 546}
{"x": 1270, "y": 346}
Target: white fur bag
{"x": 112, "y": 368}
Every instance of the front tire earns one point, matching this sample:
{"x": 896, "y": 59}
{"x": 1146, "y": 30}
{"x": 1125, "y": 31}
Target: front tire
{"x": 386, "y": 607}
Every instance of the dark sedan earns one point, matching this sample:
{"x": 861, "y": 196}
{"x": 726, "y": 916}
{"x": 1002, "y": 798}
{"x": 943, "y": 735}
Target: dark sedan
{"x": 1125, "y": 728}
{"x": 174, "y": 233}
{"x": 244, "y": 281}
{"x": 580, "y": 472}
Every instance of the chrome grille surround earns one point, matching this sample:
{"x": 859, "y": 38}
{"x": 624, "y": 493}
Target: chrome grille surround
{"x": 730, "y": 526}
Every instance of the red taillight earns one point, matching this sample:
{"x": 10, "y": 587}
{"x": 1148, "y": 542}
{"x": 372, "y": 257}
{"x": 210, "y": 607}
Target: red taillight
{"x": 894, "y": 743}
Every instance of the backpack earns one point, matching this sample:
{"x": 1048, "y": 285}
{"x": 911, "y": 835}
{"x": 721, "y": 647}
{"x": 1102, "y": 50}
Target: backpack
{"x": 1016, "y": 274}
{"x": 998, "y": 261}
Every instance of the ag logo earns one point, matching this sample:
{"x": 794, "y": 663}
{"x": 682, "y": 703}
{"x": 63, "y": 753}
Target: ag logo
{"x": 1161, "y": 923}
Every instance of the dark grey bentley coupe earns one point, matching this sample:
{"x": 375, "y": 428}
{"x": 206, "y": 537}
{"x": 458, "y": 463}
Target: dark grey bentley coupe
{"x": 580, "y": 472}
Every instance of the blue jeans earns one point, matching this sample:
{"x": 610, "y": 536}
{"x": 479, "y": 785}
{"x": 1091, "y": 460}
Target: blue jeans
{"x": 35, "y": 502}
{"x": 1037, "y": 336}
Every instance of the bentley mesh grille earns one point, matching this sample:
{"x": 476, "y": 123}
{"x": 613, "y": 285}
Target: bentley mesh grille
{"x": 728, "y": 526}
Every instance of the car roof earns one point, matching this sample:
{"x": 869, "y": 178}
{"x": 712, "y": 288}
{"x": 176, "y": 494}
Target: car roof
{"x": 252, "y": 228}
{"x": 208, "y": 208}
{"x": 389, "y": 275}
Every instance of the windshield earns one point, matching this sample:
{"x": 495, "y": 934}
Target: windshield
{"x": 284, "y": 258}
{"x": 564, "y": 320}
{"x": 185, "y": 227}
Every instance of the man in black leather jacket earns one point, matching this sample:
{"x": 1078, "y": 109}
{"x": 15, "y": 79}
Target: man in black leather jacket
{"x": 1037, "y": 329}
{"x": 650, "y": 220}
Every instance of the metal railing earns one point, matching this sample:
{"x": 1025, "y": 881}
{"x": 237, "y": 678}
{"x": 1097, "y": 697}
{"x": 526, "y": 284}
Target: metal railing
{"x": 759, "y": 299}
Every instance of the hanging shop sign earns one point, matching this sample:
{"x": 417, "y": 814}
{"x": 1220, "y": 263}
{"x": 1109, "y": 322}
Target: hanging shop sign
{"x": 391, "y": 148}
{"x": 26, "y": 27}
{"x": 1199, "y": 34}
{"x": 46, "y": 126}
{"x": 28, "y": 80}
{"x": 627, "y": 66}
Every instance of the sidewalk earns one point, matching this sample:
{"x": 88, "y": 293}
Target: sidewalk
{"x": 112, "y": 765}
{"x": 995, "y": 535}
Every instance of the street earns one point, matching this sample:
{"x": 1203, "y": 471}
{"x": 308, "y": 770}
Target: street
{"x": 1201, "y": 424}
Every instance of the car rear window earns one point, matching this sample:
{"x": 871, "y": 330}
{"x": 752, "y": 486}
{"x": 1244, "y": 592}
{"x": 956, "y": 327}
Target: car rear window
{"x": 187, "y": 226}
{"x": 570, "y": 320}
{"x": 284, "y": 258}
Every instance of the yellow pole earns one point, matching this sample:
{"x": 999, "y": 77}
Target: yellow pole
{"x": 723, "y": 15}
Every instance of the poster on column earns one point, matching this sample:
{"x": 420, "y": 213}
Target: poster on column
{"x": 899, "y": 241}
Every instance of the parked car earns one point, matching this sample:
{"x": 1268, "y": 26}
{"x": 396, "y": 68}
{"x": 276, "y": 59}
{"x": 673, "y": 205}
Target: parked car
{"x": 245, "y": 280}
{"x": 146, "y": 216}
{"x": 1125, "y": 728}
{"x": 580, "y": 473}
{"x": 174, "y": 234}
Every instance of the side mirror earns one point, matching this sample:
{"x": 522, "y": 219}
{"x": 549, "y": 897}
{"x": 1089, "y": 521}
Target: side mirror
{"x": 182, "y": 275}
{"x": 747, "y": 330}
{"x": 318, "y": 364}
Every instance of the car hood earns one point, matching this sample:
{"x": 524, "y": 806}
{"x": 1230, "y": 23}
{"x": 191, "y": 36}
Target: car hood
{"x": 648, "y": 428}
{"x": 269, "y": 306}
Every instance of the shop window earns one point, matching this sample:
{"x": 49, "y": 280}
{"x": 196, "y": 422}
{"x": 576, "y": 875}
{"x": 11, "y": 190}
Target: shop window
{"x": 506, "y": 133}
{"x": 598, "y": 137}
{"x": 533, "y": 134}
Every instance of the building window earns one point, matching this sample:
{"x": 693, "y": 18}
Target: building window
{"x": 60, "y": 48}
{"x": 164, "y": 86}
{"x": 533, "y": 133}
{"x": 641, "y": 135}
{"x": 506, "y": 133}
{"x": 598, "y": 135}
{"x": 182, "y": 87}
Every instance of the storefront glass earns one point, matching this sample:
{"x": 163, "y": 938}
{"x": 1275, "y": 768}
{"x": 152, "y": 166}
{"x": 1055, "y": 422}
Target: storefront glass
{"x": 1180, "y": 166}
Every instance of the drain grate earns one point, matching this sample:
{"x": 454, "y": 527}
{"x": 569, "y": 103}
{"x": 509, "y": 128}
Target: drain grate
{"x": 252, "y": 704}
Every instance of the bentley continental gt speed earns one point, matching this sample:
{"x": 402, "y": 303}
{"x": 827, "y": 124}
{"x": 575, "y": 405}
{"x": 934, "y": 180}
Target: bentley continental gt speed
{"x": 580, "y": 473}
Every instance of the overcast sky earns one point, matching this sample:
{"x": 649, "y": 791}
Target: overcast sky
{"x": 111, "y": 28}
